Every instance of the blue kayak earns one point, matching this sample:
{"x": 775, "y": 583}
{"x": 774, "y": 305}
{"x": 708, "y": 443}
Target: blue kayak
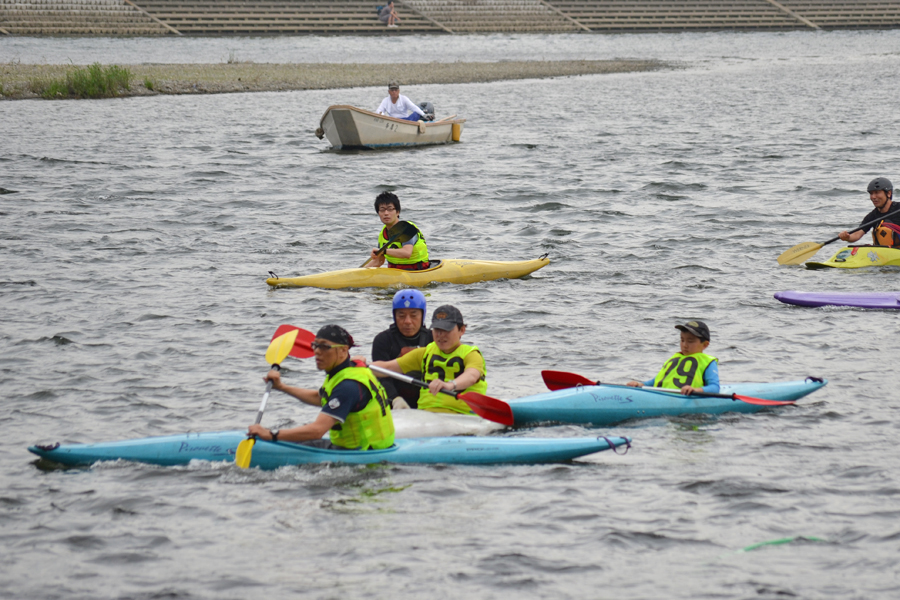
{"x": 221, "y": 446}
{"x": 610, "y": 404}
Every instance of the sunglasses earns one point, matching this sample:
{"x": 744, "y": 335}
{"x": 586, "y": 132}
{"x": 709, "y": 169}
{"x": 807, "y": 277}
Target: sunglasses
{"x": 325, "y": 347}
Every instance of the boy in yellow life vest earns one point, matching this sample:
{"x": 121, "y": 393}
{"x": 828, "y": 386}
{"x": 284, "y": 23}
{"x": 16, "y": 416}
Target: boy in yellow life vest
{"x": 411, "y": 255}
{"x": 445, "y": 363}
{"x": 690, "y": 370}
{"x": 355, "y": 408}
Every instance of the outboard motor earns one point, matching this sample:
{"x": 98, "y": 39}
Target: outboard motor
{"x": 428, "y": 109}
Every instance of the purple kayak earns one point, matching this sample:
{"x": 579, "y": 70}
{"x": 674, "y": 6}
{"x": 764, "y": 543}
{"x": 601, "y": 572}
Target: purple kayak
{"x": 857, "y": 299}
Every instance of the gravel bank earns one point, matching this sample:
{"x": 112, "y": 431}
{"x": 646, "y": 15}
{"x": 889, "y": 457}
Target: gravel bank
{"x": 18, "y": 81}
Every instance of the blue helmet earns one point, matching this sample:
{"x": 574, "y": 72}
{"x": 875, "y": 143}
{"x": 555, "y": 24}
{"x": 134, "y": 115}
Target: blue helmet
{"x": 410, "y": 299}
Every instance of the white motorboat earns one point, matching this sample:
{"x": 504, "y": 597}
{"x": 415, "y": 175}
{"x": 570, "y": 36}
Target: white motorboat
{"x": 349, "y": 127}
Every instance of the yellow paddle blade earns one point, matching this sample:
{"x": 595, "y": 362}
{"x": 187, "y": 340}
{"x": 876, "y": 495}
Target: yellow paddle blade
{"x": 243, "y": 453}
{"x": 799, "y": 253}
{"x": 281, "y": 347}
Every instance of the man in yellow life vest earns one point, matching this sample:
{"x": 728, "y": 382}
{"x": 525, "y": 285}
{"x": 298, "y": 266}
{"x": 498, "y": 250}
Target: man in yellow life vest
{"x": 411, "y": 255}
{"x": 355, "y": 408}
{"x": 690, "y": 370}
{"x": 446, "y": 364}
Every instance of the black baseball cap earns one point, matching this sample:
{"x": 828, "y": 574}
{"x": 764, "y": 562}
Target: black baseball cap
{"x": 445, "y": 317}
{"x": 697, "y": 328}
{"x": 336, "y": 334}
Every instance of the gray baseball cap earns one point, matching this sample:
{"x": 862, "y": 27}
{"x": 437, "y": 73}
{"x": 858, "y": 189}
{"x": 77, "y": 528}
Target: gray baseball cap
{"x": 697, "y": 328}
{"x": 445, "y": 317}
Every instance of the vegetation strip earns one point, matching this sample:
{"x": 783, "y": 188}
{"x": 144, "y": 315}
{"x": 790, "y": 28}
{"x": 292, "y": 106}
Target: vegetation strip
{"x": 19, "y": 81}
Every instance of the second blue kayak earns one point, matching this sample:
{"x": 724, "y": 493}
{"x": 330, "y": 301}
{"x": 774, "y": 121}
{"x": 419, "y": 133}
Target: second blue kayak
{"x": 610, "y": 404}
{"x": 220, "y": 446}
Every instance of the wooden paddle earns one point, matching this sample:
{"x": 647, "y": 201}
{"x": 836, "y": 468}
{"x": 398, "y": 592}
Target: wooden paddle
{"x": 402, "y": 231}
{"x": 800, "y": 252}
{"x": 560, "y": 380}
{"x": 279, "y": 349}
{"x": 489, "y": 408}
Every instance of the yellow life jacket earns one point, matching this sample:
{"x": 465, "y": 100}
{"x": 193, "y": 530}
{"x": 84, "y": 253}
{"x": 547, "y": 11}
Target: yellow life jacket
{"x": 681, "y": 370}
{"x": 437, "y": 365}
{"x": 420, "y": 249}
{"x": 370, "y": 428}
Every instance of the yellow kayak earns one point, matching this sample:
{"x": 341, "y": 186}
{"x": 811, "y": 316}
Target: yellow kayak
{"x": 855, "y": 257}
{"x": 441, "y": 271}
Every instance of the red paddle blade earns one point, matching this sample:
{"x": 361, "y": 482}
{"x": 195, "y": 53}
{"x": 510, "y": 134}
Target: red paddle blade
{"x": 762, "y": 401}
{"x": 561, "y": 380}
{"x": 302, "y": 348}
{"x": 489, "y": 408}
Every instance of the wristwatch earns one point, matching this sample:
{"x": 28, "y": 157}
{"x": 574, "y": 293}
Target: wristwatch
{"x": 274, "y": 434}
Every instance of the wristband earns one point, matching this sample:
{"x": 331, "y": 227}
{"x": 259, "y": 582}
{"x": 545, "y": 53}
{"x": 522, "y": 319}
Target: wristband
{"x": 274, "y": 434}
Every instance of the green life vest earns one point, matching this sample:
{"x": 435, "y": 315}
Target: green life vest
{"x": 681, "y": 370}
{"x": 420, "y": 249}
{"x": 369, "y": 428}
{"x": 437, "y": 365}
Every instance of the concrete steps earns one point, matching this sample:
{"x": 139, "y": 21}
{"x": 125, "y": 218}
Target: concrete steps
{"x": 75, "y": 17}
{"x": 293, "y": 17}
{"x": 488, "y": 16}
{"x": 216, "y": 17}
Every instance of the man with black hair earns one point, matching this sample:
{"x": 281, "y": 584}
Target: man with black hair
{"x": 886, "y": 232}
{"x": 355, "y": 408}
{"x": 411, "y": 255}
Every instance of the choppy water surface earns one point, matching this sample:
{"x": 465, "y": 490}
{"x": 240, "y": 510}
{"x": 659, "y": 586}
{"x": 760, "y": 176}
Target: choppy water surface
{"x": 136, "y": 243}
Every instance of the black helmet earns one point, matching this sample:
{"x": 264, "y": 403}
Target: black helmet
{"x": 880, "y": 183}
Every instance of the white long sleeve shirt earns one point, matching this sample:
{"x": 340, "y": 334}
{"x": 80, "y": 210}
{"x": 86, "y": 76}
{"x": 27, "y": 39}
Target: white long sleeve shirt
{"x": 401, "y": 110}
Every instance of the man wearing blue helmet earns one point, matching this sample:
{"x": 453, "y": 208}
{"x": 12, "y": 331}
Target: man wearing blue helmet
{"x": 406, "y": 333}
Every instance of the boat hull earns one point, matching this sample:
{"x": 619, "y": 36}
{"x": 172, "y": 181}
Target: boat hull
{"x": 220, "y": 446}
{"x": 422, "y": 423}
{"x": 886, "y": 300}
{"x": 447, "y": 271}
{"x": 611, "y": 404}
{"x": 348, "y": 127}
{"x": 857, "y": 257}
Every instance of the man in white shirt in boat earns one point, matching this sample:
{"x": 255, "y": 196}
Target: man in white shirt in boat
{"x": 399, "y": 106}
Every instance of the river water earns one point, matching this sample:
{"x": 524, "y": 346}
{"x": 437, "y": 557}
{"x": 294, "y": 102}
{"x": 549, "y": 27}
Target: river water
{"x": 135, "y": 246}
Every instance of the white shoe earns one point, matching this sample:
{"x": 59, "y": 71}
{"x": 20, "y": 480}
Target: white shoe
{"x": 391, "y": 25}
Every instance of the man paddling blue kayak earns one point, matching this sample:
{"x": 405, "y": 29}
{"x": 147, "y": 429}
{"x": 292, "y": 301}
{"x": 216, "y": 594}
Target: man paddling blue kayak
{"x": 355, "y": 408}
{"x": 691, "y": 370}
{"x": 446, "y": 363}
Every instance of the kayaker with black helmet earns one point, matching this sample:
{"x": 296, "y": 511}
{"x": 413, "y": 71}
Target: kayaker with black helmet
{"x": 410, "y": 255}
{"x": 690, "y": 370}
{"x": 887, "y": 231}
{"x": 355, "y": 407}
{"x": 405, "y": 334}
{"x": 446, "y": 364}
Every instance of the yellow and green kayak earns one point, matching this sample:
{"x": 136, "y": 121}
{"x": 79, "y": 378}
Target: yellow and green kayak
{"x": 441, "y": 271}
{"x": 856, "y": 257}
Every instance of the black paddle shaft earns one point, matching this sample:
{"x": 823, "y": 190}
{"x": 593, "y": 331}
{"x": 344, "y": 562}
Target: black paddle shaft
{"x": 872, "y": 222}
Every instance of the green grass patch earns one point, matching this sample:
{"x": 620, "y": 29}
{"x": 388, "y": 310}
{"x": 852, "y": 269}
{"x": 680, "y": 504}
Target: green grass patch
{"x": 95, "y": 81}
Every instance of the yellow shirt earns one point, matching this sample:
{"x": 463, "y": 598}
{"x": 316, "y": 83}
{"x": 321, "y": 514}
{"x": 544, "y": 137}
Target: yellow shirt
{"x": 412, "y": 361}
